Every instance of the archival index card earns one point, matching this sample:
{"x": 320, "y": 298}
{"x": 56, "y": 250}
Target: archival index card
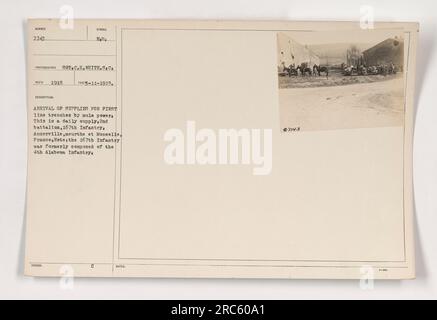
{"x": 220, "y": 149}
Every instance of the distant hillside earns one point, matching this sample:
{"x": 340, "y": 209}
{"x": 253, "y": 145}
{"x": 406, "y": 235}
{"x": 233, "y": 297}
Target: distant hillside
{"x": 335, "y": 53}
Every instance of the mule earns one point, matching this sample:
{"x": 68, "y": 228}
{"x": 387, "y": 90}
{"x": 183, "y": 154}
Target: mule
{"x": 320, "y": 70}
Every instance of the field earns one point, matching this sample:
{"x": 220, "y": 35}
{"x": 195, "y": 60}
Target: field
{"x": 335, "y": 78}
{"x": 342, "y": 102}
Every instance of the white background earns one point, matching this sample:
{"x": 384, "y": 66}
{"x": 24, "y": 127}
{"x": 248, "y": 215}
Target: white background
{"x": 13, "y": 150}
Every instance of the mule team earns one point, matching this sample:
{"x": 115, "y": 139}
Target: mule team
{"x": 303, "y": 69}
{"x": 363, "y": 70}
{"x": 317, "y": 70}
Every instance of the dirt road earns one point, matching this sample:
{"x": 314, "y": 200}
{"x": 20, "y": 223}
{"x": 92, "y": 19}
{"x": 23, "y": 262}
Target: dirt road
{"x": 363, "y": 105}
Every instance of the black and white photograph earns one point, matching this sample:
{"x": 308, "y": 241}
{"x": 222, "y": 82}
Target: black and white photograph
{"x": 330, "y": 80}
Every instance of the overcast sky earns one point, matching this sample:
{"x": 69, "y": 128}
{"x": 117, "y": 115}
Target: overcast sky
{"x": 343, "y": 36}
